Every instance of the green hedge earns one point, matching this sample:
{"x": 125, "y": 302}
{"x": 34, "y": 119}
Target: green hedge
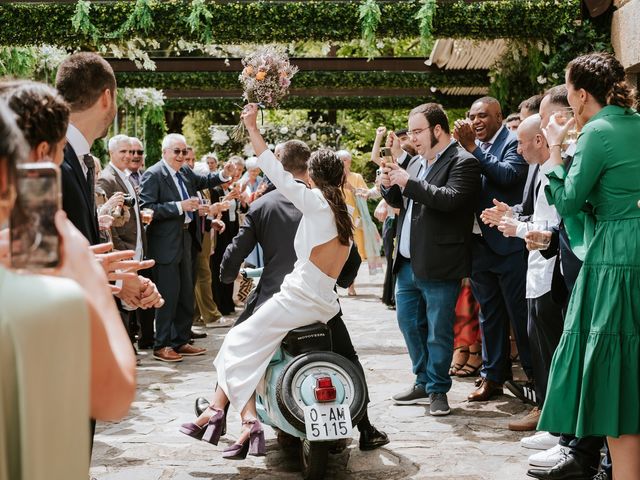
{"x": 277, "y": 21}
{"x": 224, "y": 80}
{"x": 321, "y": 103}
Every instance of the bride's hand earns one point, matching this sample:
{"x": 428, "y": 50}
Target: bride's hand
{"x": 249, "y": 116}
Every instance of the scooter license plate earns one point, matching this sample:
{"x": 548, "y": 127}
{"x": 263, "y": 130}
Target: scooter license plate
{"x": 327, "y": 422}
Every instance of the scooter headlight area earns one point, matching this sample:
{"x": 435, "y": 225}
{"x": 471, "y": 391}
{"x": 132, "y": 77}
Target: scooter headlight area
{"x": 313, "y": 394}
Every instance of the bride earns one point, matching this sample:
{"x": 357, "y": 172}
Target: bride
{"x": 307, "y": 295}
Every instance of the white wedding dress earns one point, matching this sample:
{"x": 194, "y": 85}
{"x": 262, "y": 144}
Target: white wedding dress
{"x": 306, "y": 296}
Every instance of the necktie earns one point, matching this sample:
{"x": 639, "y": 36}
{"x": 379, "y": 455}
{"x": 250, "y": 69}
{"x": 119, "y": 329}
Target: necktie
{"x": 91, "y": 169}
{"x": 185, "y": 195}
{"x": 485, "y": 146}
{"x": 134, "y": 178}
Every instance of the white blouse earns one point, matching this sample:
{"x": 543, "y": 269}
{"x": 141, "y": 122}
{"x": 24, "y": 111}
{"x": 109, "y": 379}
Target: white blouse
{"x": 318, "y": 225}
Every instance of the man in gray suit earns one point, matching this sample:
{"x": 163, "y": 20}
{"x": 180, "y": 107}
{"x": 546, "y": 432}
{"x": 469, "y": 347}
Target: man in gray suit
{"x": 272, "y": 221}
{"x": 169, "y": 189}
{"x": 115, "y": 178}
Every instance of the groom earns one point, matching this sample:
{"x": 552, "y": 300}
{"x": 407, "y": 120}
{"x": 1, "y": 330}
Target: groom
{"x": 272, "y": 221}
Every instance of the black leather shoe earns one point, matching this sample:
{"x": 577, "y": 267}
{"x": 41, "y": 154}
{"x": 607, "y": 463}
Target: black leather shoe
{"x": 197, "y": 336}
{"x": 567, "y": 469}
{"x": 372, "y": 438}
{"x": 201, "y": 405}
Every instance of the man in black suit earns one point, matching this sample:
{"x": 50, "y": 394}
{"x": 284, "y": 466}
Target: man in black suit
{"x": 87, "y": 83}
{"x": 436, "y": 195}
{"x": 169, "y": 189}
{"x": 499, "y": 263}
{"x": 272, "y": 222}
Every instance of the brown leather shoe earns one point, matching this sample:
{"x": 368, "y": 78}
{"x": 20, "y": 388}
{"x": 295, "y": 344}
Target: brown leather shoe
{"x": 167, "y": 354}
{"x": 528, "y": 423}
{"x": 187, "y": 350}
{"x": 486, "y": 390}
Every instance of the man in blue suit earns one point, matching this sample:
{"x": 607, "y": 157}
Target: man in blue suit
{"x": 499, "y": 263}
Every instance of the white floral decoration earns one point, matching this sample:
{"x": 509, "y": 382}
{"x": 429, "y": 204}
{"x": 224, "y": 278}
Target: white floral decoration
{"x": 218, "y": 136}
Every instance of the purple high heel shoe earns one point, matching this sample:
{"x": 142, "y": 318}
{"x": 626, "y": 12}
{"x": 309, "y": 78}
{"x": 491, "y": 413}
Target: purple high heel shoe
{"x": 253, "y": 445}
{"x": 210, "y": 431}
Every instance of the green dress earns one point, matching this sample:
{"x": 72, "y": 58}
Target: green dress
{"x": 44, "y": 378}
{"x": 594, "y": 384}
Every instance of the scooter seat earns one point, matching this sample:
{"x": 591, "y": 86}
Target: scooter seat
{"x": 310, "y": 338}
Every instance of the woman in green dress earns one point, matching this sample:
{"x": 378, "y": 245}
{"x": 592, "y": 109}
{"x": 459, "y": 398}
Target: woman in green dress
{"x": 594, "y": 385}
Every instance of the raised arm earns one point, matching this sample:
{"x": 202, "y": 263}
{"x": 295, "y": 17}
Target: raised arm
{"x": 298, "y": 194}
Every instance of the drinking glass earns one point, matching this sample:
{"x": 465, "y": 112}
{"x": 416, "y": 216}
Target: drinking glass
{"x": 147, "y": 215}
{"x": 537, "y": 236}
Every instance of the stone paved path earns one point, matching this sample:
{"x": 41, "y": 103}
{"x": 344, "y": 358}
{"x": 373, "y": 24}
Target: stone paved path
{"x": 473, "y": 443}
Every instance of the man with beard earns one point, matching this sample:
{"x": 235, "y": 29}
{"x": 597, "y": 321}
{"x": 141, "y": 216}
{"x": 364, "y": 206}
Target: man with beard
{"x": 435, "y": 195}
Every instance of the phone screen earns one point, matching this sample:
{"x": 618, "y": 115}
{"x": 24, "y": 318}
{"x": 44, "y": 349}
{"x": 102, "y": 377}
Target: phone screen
{"x": 34, "y": 237}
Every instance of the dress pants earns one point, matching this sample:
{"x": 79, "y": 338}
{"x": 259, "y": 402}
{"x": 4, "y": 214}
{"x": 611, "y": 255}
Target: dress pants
{"x": 175, "y": 284}
{"x": 388, "y": 237}
{"x": 205, "y": 307}
{"x": 545, "y": 329}
{"x": 585, "y": 450}
{"x": 498, "y": 284}
{"x": 426, "y": 313}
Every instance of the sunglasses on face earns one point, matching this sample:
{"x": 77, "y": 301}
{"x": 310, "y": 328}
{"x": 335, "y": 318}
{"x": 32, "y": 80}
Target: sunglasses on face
{"x": 136, "y": 152}
{"x": 177, "y": 151}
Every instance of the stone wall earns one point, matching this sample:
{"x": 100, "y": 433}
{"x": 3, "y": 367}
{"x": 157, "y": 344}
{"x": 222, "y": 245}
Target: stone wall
{"x": 625, "y": 36}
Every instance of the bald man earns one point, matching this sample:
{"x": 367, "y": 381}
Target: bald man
{"x": 545, "y": 320}
{"x": 499, "y": 264}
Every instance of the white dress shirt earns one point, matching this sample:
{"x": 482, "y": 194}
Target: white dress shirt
{"x": 540, "y": 269}
{"x": 404, "y": 248}
{"x": 173, "y": 173}
{"x": 79, "y": 144}
{"x": 123, "y": 176}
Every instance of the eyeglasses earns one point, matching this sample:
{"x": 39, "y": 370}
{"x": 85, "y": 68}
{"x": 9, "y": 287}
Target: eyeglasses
{"x": 136, "y": 152}
{"x": 417, "y": 131}
{"x": 178, "y": 151}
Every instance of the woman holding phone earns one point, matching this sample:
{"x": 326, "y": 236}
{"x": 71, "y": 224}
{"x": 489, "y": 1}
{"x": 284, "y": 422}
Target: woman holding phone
{"x": 90, "y": 372}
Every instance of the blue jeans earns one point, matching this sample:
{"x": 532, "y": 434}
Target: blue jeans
{"x": 426, "y": 313}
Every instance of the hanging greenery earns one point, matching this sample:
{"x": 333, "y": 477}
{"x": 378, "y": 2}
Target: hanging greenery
{"x": 199, "y": 21}
{"x": 283, "y": 21}
{"x": 530, "y": 67}
{"x": 81, "y": 21}
{"x": 425, "y": 16}
{"x": 140, "y": 19}
{"x": 369, "y": 17}
{"x": 19, "y": 62}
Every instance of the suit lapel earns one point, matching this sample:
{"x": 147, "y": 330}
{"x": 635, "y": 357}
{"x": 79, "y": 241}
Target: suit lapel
{"x": 444, "y": 159}
{"x": 118, "y": 179}
{"x": 74, "y": 162}
{"x": 169, "y": 180}
{"x": 499, "y": 140}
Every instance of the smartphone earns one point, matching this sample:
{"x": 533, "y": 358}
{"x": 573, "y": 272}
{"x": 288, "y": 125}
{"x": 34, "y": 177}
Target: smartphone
{"x": 35, "y": 244}
{"x": 385, "y": 153}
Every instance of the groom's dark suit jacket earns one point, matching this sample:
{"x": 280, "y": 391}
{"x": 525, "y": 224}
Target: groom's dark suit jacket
{"x": 77, "y": 202}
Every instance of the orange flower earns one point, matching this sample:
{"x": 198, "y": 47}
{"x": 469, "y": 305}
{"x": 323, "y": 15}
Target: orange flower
{"x": 261, "y": 75}
{"x": 248, "y": 70}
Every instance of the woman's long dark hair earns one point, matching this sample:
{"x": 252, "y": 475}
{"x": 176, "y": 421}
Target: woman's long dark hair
{"x": 13, "y": 151}
{"x": 327, "y": 172}
{"x": 603, "y": 76}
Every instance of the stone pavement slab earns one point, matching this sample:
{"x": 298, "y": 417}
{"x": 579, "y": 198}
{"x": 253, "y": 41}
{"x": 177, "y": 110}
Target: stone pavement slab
{"x": 473, "y": 443}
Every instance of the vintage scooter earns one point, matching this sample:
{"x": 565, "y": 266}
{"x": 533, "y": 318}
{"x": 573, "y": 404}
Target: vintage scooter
{"x": 311, "y": 393}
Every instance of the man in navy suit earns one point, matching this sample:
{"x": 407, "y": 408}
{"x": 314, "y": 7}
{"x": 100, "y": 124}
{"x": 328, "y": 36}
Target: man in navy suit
{"x": 169, "y": 189}
{"x": 499, "y": 263}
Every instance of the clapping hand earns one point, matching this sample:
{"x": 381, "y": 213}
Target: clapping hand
{"x": 464, "y": 134}
{"x": 190, "y": 205}
{"x": 493, "y": 216}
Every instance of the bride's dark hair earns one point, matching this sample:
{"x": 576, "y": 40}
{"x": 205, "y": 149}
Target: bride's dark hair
{"x": 327, "y": 172}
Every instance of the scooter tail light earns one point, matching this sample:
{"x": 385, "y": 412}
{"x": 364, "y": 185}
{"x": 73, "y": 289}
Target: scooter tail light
{"x": 325, "y": 391}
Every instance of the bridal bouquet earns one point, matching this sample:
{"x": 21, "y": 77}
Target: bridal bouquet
{"x": 265, "y": 79}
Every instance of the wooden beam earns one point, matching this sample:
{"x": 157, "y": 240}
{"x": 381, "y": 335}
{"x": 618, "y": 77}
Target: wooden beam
{"x": 307, "y": 92}
{"x": 326, "y": 64}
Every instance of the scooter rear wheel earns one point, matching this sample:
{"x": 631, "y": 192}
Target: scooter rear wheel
{"x": 313, "y": 458}
{"x": 289, "y": 400}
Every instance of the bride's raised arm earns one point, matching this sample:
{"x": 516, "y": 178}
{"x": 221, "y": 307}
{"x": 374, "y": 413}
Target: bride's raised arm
{"x": 297, "y": 193}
